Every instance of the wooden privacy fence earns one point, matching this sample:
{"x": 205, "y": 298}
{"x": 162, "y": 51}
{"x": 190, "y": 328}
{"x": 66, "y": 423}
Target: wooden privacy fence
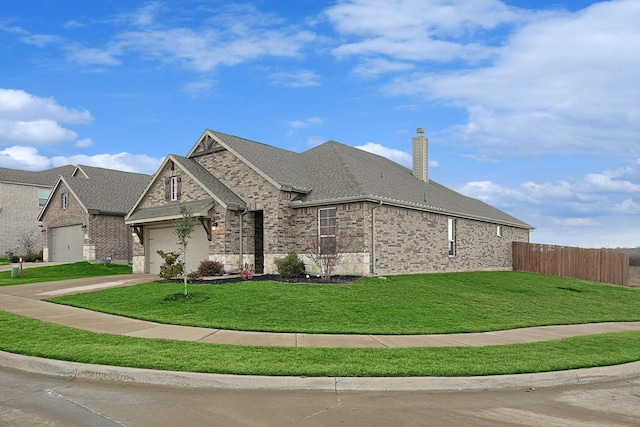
{"x": 597, "y": 265}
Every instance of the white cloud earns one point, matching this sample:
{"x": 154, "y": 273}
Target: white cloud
{"x": 30, "y": 119}
{"x": 299, "y": 124}
{"x": 86, "y": 142}
{"x": 418, "y": 30}
{"x": 28, "y": 158}
{"x": 18, "y": 104}
{"x": 592, "y": 210}
{"x": 398, "y": 156}
{"x": 25, "y": 158}
{"x": 34, "y": 132}
{"x": 295, "y": 79}
{"x": 628, "y": 207}
{"x": 562, "y": 83}
{"x": 140, "y": 163}
{"x": 314, "y": 141}
{"x": 198, "y": 89}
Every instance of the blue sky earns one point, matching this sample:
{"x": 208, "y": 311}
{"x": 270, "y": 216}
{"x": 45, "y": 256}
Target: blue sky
{"x": 532, "y": 106}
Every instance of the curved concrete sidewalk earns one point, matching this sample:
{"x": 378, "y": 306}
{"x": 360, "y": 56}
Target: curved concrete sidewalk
{"x": 26, "y": 300}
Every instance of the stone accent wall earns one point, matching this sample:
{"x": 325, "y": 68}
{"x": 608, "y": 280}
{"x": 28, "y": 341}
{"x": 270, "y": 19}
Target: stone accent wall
{"x": 18, "y": 212}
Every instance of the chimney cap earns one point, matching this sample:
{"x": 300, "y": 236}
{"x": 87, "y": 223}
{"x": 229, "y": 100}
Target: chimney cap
{"x": 420, "y": 131}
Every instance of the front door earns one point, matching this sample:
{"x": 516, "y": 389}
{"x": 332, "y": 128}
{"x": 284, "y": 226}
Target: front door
{"x": 258, "y": 253}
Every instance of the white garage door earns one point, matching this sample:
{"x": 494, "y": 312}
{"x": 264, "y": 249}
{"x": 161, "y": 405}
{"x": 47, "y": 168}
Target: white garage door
{"x": 65, "y": 243}
{"x": 166, "y": 240}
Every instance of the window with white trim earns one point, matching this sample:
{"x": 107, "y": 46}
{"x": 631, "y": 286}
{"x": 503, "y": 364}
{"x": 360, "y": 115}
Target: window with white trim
{"x": 327, "y": 231}
{"x": 499, "y": 230}
{"x": 174, "y": 188}
{"x": 43, "y": 195}
{"x": 451, "y": 235}
{"x": 64, "y": 200}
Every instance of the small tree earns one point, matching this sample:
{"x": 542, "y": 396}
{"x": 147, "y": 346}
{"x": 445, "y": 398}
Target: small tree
{"x": 184, "y": 229}
{"x": 327, "y": 251}
{"x": 29, "y": 246}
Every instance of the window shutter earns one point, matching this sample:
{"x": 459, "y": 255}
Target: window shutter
{"x": 167, "y": 188}
{"x": 179, "y": 190}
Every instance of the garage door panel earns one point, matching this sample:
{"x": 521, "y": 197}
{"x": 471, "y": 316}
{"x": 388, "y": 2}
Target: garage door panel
{"x": 66, "y": 243}
{"x": 165, "y": 239}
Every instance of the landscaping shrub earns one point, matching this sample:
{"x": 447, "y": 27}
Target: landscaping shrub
{"x": 14, "y": 258}
{"x": 211, "y": 268}
{"x": 171, "y": 267}
{"x": 289, "y": 266}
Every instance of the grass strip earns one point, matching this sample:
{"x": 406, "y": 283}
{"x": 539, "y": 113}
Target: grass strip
{"x": 32, "y": 337}
{"x": 410, "y": 304}
{"x": 51, "y": 273}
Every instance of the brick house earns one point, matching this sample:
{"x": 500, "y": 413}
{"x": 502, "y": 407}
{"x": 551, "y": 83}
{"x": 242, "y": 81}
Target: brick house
{"x": 83, "y": 218}
{"x": 22, "y": 196}
{"x": 254, "y": 203}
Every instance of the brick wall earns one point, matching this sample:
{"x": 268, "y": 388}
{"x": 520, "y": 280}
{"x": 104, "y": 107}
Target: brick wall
{"x": 104, "y": 234}
{"x": 109, "y": 235}
{"x": 56, "y": 216}
{"x": 18, "y": 212}
{"x": 408, "y": 241}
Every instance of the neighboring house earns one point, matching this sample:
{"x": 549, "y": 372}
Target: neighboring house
{"x": 253, "y": 203}
{"x": 83, "y": 219}
{"x": 22, "y": 196}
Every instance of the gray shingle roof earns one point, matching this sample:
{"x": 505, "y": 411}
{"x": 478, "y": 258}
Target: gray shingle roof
{"x": 169, "y": 211}
{"x": 107, "y": 191}
{"x": 334, "y": 172}
{"x": 281, "y": 166}
{"x": 340, "y": 171}
{"x": 45, "y": 178}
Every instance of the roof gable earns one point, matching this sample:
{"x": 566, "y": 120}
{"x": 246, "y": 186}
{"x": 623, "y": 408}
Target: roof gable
{"x": 283, "y": 168}
{"x": 106, "y": 192}
{"x": 219, "y": 193}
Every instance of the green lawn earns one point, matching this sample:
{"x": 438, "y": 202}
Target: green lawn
{"x": 412, "y": 304}
{"x": 53, "y": 273}
{"x": 36, "y": 338}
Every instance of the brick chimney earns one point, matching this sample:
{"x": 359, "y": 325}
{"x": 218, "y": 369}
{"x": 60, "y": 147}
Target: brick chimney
{"x": 421, "y": 156}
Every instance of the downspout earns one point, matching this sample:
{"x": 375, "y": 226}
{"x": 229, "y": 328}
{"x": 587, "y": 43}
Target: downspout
{"x": 242, "y": 214}
{"x": 373, "y": 238}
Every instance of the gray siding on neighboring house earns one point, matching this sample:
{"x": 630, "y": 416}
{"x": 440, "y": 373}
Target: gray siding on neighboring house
{"x": 18, "y": 211}
{"x": 19, "y": 207}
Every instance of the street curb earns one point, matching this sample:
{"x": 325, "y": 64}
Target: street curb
{"x": 90, "y": 372}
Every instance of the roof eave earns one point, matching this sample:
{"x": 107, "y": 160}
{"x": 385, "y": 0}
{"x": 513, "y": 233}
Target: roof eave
{"x": 404, "y": 204}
